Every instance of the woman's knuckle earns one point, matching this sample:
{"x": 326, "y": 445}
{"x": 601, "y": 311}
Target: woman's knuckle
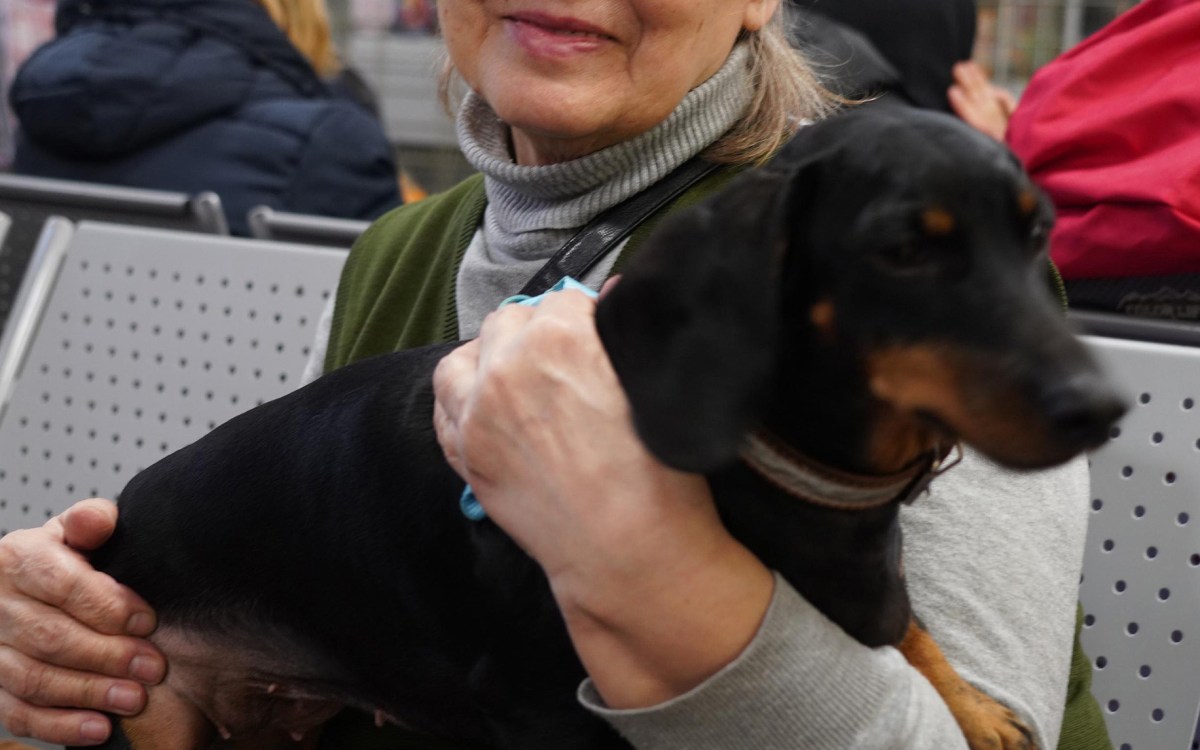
{"x": 96, "y": 601}
{"x": 552, "y": 331}
{"x": 47, "y": 637}
{"x": 17, "y": 548}
{"x": 17, "y": 719}
{"x": 38, "y": 573}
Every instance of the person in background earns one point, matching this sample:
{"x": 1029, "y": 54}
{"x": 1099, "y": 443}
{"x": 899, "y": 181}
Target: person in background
{"x": 916, "y": 53}
{"x": 979, "y": 102}
{"x": 1110, "y": 130}
{"x": 920, "y": 40}
{"x": 690, "y": 641}
{"x": 235, "y": 96}
{"x": 1119, "y": 160}
{"x": 24, "y": 25}
{"x": 6, "y": 121}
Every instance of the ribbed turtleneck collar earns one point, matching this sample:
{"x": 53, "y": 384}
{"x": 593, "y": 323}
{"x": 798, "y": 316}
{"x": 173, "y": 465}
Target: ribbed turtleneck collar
{"x": 533, "y": 210}
{"x": 565, "y": 196}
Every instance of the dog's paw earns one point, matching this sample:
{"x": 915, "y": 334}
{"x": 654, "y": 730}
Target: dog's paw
{"x": 987, "y": 724}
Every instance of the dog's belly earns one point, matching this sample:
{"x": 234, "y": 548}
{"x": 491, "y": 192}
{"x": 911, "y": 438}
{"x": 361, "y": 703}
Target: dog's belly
{"x": 245, "y": 688}
{"x": 267, "y": 684}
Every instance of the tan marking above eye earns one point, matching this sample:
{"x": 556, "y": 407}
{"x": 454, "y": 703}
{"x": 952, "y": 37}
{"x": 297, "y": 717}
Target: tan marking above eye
{"x": 1027, "y": 201}
{"x": 937, "y": 221}
{"x": 822, "y": 317}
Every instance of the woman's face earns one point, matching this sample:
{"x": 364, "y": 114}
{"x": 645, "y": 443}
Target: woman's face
{"x": 575, "y": 76}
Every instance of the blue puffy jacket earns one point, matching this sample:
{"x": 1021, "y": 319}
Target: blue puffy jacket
{"x": 194, "y": 95}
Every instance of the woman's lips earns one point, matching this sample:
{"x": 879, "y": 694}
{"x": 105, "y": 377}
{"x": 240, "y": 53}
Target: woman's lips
{"x": 550, "y": 36}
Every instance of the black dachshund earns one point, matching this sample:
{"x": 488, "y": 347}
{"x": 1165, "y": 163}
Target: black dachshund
{"x": 815, "y": 339}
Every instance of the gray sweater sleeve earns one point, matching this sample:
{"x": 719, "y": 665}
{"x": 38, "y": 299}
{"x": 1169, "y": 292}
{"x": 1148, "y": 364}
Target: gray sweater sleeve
{"x": 993, "y": 560}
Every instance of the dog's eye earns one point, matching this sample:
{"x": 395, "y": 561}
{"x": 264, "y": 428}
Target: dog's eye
{"x": 906, "y": 256}
{"x": 1039, "y": 234}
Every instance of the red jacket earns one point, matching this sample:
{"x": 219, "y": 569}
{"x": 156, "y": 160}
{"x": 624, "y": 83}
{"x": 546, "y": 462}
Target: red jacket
{"x": 1111, "y": 130}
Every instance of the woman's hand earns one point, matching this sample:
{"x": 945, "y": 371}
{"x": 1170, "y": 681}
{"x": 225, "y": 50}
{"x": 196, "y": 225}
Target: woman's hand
{"x": 979, "y": 102}
{"x": 71, "y": 638}
{"x": 656, "y": 594}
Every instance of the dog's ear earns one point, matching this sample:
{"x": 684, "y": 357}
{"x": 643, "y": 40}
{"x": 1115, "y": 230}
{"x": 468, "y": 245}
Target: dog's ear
{"x": 691, "y": 325}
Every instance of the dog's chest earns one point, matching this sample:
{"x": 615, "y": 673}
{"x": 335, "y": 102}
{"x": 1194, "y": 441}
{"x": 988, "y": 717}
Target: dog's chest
{"x": 848, "y": 564}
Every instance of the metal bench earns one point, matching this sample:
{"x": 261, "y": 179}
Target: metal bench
{"x": 145, "y": 340}
{"x": 29, "y": 201}
{"x": 1141, "y": 583}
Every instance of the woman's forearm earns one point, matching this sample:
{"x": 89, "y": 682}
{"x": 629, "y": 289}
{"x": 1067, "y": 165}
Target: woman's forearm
{"x": 651, "y": 635}
{"x": 801, "y": 683}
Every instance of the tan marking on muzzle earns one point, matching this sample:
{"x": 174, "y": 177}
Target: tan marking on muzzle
{"x": 897, "y": 440}
{"x": 916, "y": 378}
{"x": 908, "y": 380}
{"x": 937, "y": 222}
{"x": 968, "y": 397}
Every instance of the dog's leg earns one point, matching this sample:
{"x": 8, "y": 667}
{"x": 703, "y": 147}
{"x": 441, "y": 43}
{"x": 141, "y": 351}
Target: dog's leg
{"x": 169, "y": 722}
{"x": 987, "y": 724}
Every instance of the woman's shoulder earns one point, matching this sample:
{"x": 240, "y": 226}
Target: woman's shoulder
{"x": 413, "y": 239}
{"x": 441, "y": 214}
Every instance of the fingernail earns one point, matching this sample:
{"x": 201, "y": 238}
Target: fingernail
{"x": 123, "y": 699}
{"x": 93, "y": 730}
{"x": 141, "y": 623}
{"x": 146, "y": 669}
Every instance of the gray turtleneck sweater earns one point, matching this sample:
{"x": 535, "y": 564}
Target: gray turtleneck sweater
{"x": 993, "y": 557}
{"x": 532, "y": 211}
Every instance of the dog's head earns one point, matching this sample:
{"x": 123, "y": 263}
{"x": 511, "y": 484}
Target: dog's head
{"x": 881, "y": 287}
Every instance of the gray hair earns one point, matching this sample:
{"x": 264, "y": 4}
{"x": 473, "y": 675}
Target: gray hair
{"x": 786, "y": 92}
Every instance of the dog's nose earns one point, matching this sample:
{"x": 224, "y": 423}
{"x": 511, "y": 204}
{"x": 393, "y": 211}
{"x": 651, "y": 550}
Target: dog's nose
{"x": 1082, "y": 410}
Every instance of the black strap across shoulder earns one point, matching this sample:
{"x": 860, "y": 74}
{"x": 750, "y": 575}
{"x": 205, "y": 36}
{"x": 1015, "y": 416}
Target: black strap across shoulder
{"x": 611, "y": 227}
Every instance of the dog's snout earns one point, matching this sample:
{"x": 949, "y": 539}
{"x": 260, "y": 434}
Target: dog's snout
{"x": 1082, "y": 410}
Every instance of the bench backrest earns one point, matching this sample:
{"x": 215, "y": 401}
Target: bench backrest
{"x": 1141, "y": 585}
{"x": 148, "y": 339}
{"x": 29, "y": 201}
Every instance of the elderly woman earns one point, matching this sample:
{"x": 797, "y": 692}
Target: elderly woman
{"x": 689, "y": 640}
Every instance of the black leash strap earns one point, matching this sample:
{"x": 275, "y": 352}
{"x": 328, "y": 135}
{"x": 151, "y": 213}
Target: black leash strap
{"x": 611, "y": 227}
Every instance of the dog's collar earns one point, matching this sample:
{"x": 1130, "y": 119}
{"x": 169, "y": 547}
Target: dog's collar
{"x": 809, "y": 480}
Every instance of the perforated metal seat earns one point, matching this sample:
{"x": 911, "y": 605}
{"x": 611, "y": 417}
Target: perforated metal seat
{"x": 1141, "y": 584}
{"x": 30, "y": 200}
{"x": 150, "y": 338}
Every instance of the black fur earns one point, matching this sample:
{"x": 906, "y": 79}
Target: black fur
{"x": 320, "y": 534}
